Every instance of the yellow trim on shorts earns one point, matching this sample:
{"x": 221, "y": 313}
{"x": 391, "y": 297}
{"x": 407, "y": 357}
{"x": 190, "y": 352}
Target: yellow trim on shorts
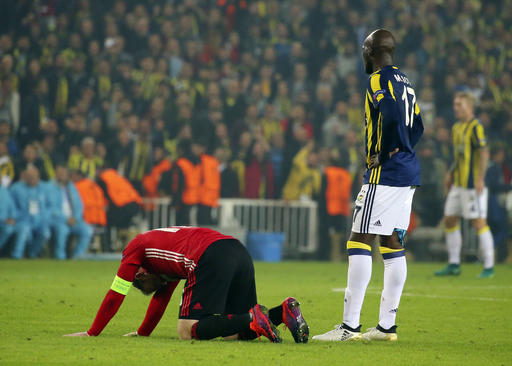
{"x": 120, "y": 285}
{"x": 358, "y": 245}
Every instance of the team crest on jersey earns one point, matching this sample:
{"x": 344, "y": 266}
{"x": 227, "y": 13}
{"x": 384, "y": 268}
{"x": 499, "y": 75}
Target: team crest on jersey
{"x": 360, "y": 197}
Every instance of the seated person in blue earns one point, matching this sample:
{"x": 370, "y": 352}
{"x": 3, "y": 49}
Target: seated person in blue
{"x": 66, "y": 214}
{"x": 29, "y": 196}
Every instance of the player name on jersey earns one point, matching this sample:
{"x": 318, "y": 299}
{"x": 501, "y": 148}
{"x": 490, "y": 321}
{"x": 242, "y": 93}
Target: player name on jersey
{"x": 401, "y": 79}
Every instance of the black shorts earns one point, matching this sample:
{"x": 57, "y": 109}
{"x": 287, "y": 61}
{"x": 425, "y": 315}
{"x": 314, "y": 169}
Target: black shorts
{"x": 222, "y": 283}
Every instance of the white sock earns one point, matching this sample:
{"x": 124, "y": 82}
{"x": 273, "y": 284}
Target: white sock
{"x": 395, "y": 273}
{"x": 453, "y": 244}
{"x": 486, "y": 246}
{"x": 359, "y": 274}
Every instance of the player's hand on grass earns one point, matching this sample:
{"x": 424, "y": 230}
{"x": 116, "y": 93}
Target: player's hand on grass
{"x": 79, "y": 334}
{"x": 131, "y": 334}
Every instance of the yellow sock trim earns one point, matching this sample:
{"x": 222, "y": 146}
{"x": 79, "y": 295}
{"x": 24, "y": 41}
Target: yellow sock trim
{"x": 358, "y": 245}
{"x": 484, "y": 230}
{"x": 385, "y": 250}
{"x": 452, "y": 229}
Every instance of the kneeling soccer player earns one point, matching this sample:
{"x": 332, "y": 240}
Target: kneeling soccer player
{"x": 219, "y": 298}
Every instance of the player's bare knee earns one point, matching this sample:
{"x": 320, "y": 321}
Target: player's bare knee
{"x": 362, "y": 238}
{"x": 390, "y": 241}
{"x": 451, "y": 221}
{"x": 479, "y": 223}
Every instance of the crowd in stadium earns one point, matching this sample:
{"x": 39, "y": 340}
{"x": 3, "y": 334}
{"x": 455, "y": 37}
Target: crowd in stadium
{"x": 130, "y": 99}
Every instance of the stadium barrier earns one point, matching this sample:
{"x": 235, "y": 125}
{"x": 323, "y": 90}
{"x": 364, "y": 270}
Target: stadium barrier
{"x": 298, "y": 220}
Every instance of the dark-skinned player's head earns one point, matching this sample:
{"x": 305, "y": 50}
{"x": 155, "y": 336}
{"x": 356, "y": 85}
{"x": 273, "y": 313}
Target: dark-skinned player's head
{"x": 378, "y": 50}
{"x": 148, "y": 283}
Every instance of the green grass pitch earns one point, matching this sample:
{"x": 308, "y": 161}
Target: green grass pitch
{"x": 458, "y": 321}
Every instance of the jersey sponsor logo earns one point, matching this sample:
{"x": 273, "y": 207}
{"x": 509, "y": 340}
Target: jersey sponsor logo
{"x": 377, "y": 223}
{"x": 170, "y": 256}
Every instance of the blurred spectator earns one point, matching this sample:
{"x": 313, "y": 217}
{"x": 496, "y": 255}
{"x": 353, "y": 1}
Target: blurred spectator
{"x": 7, "y": 137}
{"x": 499, "y": 182}
{"x": 210, "y": 186}
{"x": 336, "y": 126}
{"x": 86, "y": 159}
{"x": 6, "y": 166}
{"x": 30, "y": 197}
{"x": 259, "y": 174}
{"x": 229, "y": 186}
{"x": 8, "y": 217}
{"x": 182, "y": 182}
{"x": 93, "y": 199}
{"x": 305, "y": 179}
{"x": 335, "y": 206}
{"x": 30, "y": 158}
{"x": 152, "y": 179}
{"x": 50, "y": 156}
{"x": 66, "y": 214}
{"x": 9, "y": 103}
{"x": 124, "y": 202}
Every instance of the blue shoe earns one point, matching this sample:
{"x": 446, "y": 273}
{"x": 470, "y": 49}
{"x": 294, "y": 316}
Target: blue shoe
{"x": 449, "y": 270}
{"x": 487, "y": 273}
{"x": 293, "y": 319}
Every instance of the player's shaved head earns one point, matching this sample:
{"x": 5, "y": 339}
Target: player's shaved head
{"x": 378, "y": 50}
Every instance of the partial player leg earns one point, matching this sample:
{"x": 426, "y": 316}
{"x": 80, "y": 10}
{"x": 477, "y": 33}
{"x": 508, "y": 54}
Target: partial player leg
{"x": 453, "y": 244}
{"x": 359, "y": 274}
{"x": 84, "y": 234}
{"x": 486, "y": 244}
{"x": 453, "y": 210}
{"x": 6, "y": 231}
{"x": 206, "y": 294}
{"x": 22, "y": 235}
{"x": 395, "y": 273}
{"x": 61, "y": 231}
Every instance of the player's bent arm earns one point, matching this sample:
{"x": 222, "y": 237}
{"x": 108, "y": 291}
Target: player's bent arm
{"x": 114, "y": 298}
{"x": 156, "y": 309}
{"x": 387, "y": 109}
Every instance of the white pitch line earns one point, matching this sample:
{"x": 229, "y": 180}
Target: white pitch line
{"x": 432, "y": 296}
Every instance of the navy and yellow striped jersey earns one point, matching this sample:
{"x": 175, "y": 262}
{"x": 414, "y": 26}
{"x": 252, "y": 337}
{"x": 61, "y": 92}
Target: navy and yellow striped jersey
{"x": 468, "y": 137}
{"x": 393, "y": 120}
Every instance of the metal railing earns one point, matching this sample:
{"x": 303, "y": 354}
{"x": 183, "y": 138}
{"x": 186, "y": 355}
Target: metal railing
{"x": 298, "y": 220}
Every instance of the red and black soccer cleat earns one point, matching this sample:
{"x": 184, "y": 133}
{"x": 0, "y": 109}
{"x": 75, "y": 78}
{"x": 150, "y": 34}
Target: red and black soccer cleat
{"x": 262, "y": 325}
{"x": 293, "y": 319}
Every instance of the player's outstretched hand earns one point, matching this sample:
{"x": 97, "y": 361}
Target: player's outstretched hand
{"x": 131, "y": 334}
{"x": 79, "y": 334}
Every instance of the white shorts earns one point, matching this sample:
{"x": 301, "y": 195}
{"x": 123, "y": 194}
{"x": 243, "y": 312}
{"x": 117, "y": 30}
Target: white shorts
{"x": 465, "y": 203}
{"x": 382, "y": 209}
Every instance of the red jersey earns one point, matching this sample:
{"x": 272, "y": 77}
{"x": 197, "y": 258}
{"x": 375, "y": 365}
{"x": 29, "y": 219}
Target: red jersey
{"x": 172, "y": 252}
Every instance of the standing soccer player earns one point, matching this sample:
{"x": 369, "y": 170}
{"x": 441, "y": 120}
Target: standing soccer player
{"x": 219, "y": 299}
{"x": 467, "y": 196}
{"x": 383, "y": 206}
